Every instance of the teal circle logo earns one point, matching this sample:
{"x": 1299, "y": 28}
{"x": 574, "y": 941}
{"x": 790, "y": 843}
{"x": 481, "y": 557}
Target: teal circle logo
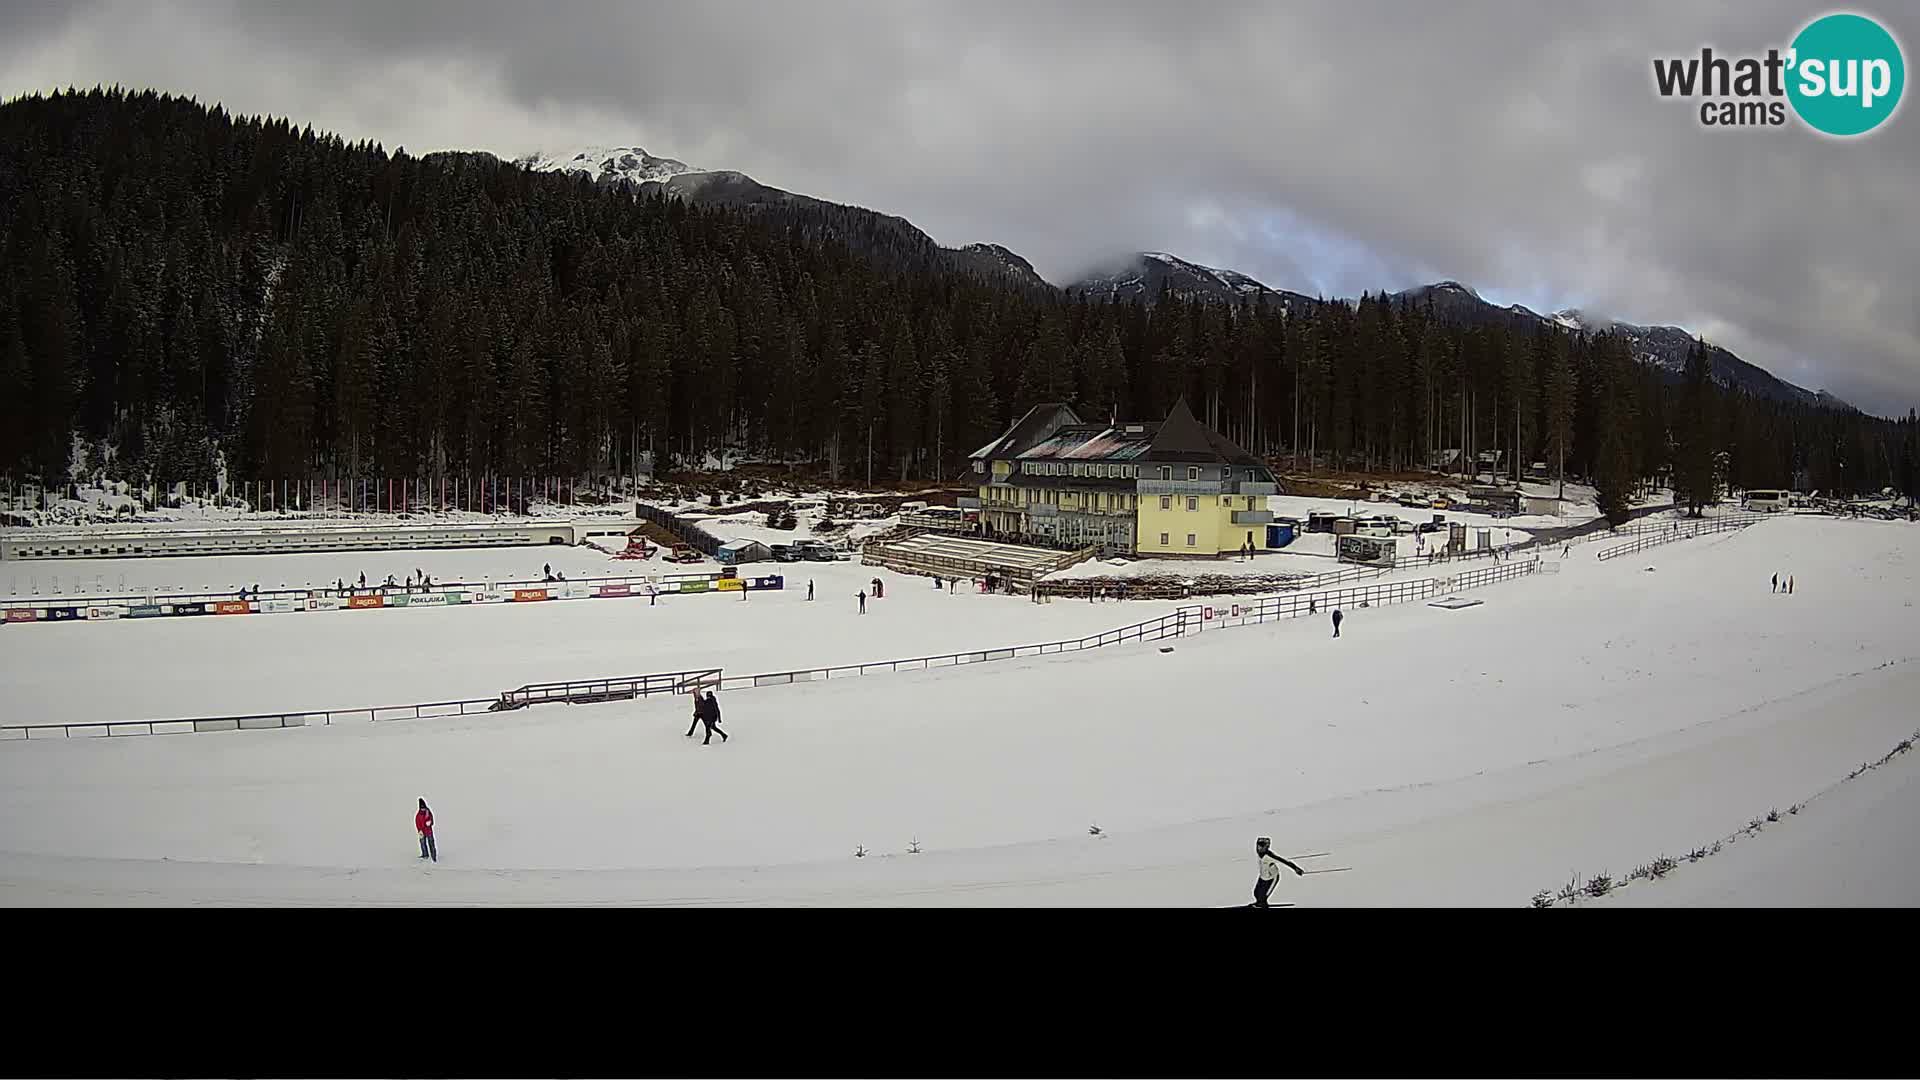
{"x": 1846, "y": 76}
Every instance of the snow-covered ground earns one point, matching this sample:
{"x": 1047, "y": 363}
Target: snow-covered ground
{"x": 1572, "y": 723}
{"x": 135, "y": 669}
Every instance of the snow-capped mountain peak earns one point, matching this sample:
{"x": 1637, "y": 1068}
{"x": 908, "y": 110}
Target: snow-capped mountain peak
{"x": 610, "y": 165}
{"x": 1571, "y": 318}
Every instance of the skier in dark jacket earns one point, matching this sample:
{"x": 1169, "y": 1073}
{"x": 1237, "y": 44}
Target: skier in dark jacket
{"x": 423, "y": 826}
{"x": 1336, "y": 621}
{"x": 1270, "y": 864}
{"x": 1776, "y": 583}
{"x": 863, "y": 602}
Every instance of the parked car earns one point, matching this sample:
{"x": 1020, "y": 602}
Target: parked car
{"x": 786, "y": 552}
{"x": 815, "y": 551}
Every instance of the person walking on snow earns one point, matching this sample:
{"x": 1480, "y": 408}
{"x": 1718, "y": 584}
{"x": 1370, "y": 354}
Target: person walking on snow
{"x": 1776, "y": 583}
{"x": 1336, "y": 622}
{"x": 423, "y": 826}
{"x": 699, "y": 713}
{"x": 1789, "y": 585}
{"x": 707, "y": 711}
{"x": 1270, "y": 864}
{"x": 863, "y": 602}
{"x": 809, "y": 588}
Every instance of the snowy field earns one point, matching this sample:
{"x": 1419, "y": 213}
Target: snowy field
{"x": 140, "y": 669}
{"x": 67, "y": 577}
{"x": 1573, "y": 723}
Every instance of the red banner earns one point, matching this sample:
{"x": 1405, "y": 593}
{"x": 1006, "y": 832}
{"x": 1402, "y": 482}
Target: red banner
{"x": 622, "y": 589}
{"x": 22, "y": 614}
{"x": 529, "y": 594}
{"x": 233, "y": 607}
{"x": 366, "y": 601}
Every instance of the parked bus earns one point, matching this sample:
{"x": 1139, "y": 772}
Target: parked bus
{"x": 1766, "y": 500}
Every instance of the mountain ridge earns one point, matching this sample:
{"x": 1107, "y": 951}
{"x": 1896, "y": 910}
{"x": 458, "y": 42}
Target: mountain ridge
{"x": 1144, "y": 274}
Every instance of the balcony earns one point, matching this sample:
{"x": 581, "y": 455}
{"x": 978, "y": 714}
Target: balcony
{"x": 1179, "y": 487}
{"x": 968, "y": 502}
{"x": 1041, "y": 510}
{"x": 1256, "y": 487}
{"x": 1253, "y": 517}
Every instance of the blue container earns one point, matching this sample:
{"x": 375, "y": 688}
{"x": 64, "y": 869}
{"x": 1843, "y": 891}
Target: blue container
{"x": 1279, "y": 536}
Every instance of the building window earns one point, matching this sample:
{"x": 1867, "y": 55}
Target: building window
{"x": 1191, "y": 540}
{"x": 1166, "y": 502}
{"x": 1193, "y": 503}
{"x": 1163, "y": 540}
{"x": 1166, "y": 472}
{"x": 1193, "y": 472}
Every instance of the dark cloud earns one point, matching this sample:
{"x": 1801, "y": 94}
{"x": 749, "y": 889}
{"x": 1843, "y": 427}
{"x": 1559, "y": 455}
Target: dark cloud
{"x": 1323, "y": 148}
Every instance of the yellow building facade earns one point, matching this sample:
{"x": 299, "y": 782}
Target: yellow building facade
{"x": 1167, "y": 488}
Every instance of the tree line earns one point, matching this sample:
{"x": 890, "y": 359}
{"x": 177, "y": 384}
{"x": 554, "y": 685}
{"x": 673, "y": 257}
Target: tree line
{"x": 182, "y": 288}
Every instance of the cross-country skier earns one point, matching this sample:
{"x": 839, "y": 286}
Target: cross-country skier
{"x": 1776, "y": 583}
{"x": 1336, "y": 621}
{"x": 863, "y": 602}
{"x": 1270, "y": 864}
{"x": 1789, "y": 584}
{"x": 423, "y": 825}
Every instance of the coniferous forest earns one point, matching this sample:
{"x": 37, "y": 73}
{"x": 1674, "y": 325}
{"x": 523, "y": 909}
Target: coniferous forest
{"x": 179, "y": 286}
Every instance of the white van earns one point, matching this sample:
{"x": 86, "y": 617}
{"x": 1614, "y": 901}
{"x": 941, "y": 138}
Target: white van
{"x": 1380, "y": 527}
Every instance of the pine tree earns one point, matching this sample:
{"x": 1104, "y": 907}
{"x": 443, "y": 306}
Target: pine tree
{"x": 1693, "y": 468}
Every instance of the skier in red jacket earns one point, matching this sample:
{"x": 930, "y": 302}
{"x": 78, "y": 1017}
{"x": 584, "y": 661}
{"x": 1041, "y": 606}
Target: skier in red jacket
{"x": 423, "y": 825}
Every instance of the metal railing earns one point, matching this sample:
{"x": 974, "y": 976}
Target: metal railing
{"x": 1172, "y": 624}
{"x": 249, "y": 721}
{"x": 619, "y": 688}
{"x": 1684, "y": 531}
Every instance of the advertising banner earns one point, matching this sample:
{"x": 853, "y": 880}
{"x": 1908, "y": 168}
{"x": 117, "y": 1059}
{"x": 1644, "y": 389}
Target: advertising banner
{"x": 66, "y": 613}
{"x": 730, "y": 585}
{"x": 622, "y": 589}
{"x": 148, "y": 611}
{"x": 399, "y": 600}
{"x": 232, "y": 607}
{"x": 279, "y": 607}
{"x": 693, "y": 586}
{"x": 22, "y": 614}
{"x": 366, "y": 601}
{"x": 190, "y": 609}
{"x": 325, "y": 603}
{"x": 524, "y": 595}
{"x": 488, "y": 597}
{"x": 457, "y": 598}
{"x": 432, "y": 599}
{"x": 105, "y": 612}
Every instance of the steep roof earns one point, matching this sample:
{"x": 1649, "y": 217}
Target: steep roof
{"x": 1182, "y": 437}
{"x": 1040, "y": 422}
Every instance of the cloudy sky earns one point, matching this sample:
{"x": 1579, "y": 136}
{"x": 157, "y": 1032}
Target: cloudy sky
{"x": 1319, "y": 146}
